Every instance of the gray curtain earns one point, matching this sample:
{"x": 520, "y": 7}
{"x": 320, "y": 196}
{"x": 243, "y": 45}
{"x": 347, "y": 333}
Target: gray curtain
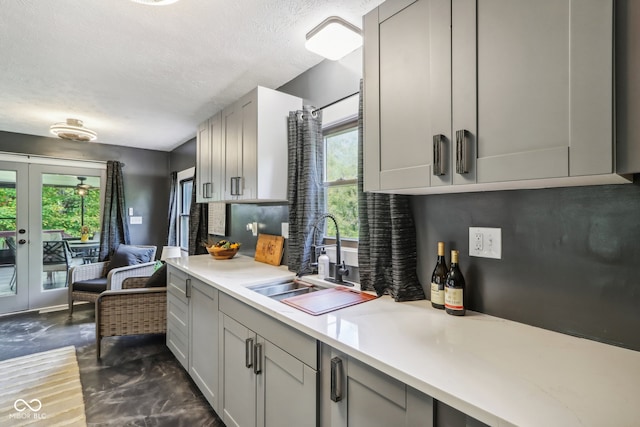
{"x": 387, "y": 241}
{"x": 115, "y": 229}
{"x": 198, "y": 224}
{"x": 172, "y": 234}
{"x": 306, "y": 189}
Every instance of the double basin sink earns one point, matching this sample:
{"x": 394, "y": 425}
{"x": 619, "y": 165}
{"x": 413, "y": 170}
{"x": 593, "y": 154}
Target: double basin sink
{"x": 280, "y": 291}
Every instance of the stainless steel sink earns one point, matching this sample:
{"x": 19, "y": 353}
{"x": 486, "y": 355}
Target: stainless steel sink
{"x": 279, "y": 291}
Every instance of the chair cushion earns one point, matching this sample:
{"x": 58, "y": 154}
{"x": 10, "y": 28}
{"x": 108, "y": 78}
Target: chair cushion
{"x": 128, "y": 255}
{"x": 159, "y": 278}
{"x": 91, "y": 285}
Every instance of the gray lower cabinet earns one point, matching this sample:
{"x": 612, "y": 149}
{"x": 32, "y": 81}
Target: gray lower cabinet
{"x": 483, "y": 91}
{"x": 178, "y": 315}
{"x": 192, "y": 329}
{"x": 353, "y": 394}
{"x": 203, "y": 339}
{"x": 268, "y": 375}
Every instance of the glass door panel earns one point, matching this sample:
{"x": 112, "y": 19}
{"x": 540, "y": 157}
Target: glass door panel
{"x": 66, "y": 211}
{"x": 13, "y": 250}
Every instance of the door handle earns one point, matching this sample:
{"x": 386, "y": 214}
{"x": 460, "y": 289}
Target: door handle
{"x": 439, "y": 163}
{"x": 22, "y": 241}
{"x": 336, "y": 379}
{"x": 462, "y": 151}
{"x": 257, "y": 359}
{"x": 248, "y": 352}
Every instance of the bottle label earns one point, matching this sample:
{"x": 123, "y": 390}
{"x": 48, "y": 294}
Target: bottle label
{"x": 437, "y": 295}
{"x": 453, "y": 299}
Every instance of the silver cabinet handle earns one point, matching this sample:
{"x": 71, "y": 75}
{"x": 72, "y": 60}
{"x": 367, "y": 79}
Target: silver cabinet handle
{"x": 235, "y": 186}
{"x": 248, "y": 352}
{"x": 187, "y": 291}
{"x": 233, "y": 191}
{"x": 439, "y": 158}
{"x": 462, "y": 151}
{"x": 336, "y": 379}
{"x": 257, "y": 359}
{"x": 206, "y": 190}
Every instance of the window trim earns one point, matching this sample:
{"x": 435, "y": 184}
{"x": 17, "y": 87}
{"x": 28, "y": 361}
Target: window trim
{"x": 184, "y": 175}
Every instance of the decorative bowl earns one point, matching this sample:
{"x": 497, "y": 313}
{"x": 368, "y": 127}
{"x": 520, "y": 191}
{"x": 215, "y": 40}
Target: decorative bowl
{"x": 222, "y": 253}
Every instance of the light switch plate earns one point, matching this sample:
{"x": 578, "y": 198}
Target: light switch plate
{"x": 485, "y": 242}
{"x": 285, "y": 230}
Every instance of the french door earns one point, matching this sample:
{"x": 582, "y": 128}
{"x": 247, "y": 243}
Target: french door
{"x": 45, "y": 206}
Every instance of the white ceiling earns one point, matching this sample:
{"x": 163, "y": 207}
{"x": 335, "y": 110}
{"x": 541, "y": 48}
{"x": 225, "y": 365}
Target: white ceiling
{"x": 145, "y": 76}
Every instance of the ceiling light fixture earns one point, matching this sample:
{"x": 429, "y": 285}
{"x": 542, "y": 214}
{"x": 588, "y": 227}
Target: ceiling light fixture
{"x": 155, "y": 2}
{"x": 82, "y": 189}
{"x": 333, "y": 38}
{"x": 73, "y": 130}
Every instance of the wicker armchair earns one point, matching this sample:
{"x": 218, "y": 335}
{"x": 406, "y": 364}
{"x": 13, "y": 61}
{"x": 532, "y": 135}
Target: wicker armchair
{"x": 114, "y": 278}
{"x": 131, "y": 310}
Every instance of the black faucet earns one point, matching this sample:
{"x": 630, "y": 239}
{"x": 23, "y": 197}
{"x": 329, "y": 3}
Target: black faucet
{"x": 341, "y": 269}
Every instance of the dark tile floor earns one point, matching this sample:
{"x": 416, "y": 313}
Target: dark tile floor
{"x": 138, "y": 382}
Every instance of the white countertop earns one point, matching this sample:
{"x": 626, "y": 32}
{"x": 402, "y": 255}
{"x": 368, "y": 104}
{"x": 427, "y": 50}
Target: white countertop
{"x": 498, "y": 371}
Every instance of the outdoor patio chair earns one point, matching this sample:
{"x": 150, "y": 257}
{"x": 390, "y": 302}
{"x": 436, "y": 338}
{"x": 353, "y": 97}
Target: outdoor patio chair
{"x": 88, "y": 281}
{"x": 56, "y": 256}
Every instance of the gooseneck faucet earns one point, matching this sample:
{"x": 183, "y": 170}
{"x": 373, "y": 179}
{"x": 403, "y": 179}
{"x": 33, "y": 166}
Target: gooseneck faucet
{"x": 341, "y": 269}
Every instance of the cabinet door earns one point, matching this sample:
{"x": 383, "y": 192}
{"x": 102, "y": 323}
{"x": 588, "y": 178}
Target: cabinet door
{"x": 238, "y": 380}
{"x": 286, "y": 389}
{"x": 233, "y": 150}
{"x": 356, "y": 395}
{"x": 178, "y": 315}
{"x": 217, "y": 158}
{"x": 203, "y": 340}
{"x": 407, "y": 75}
{"x": 544, "y": 86}
{"x": 246, "y": 187}
{"x": 203, "y": 170}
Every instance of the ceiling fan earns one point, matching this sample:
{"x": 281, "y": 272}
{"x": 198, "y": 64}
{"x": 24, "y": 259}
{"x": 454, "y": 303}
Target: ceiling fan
{"x": 82, "y": 189}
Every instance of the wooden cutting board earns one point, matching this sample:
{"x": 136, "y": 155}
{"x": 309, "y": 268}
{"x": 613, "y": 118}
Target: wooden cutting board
{"x": 269, "y": 249}
{"x": 326, "y": 300}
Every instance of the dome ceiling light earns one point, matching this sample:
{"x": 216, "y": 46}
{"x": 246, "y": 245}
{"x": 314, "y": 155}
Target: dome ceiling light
{"x": 333, "y": 38}
{"x": 73, "y": 130}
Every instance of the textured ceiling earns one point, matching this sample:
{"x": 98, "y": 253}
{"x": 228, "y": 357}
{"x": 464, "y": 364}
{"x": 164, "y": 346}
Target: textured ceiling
{"x": 145, "y": 76}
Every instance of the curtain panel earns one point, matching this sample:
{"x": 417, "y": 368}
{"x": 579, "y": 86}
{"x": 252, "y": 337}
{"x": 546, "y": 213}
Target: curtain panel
{"x": 198, "y": 224}
{"x": 115, "y": 229}
{"x": 172, "y": 234}
{"x": 387, "y": 238}
{"x": 306, "y": 192}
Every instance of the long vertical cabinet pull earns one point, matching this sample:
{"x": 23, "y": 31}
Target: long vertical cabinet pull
{"x": 439, "y": 158}
{"x": 187, "y": 291}
{"x": 462, "y": 151}
{"x": 257, "y": 359}
{"x": 235, "y": 185}
{"x": 336, "y": 379}
{"x": 248, "y": 352}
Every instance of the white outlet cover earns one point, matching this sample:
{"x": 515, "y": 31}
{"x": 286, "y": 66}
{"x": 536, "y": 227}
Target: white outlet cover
{"x": 491, "y": 244}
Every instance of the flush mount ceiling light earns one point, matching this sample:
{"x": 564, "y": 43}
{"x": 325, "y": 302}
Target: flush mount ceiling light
{"x": 155, "y": 2}
{"x": 333, "y": 38}
{"x": 73, "y": 130}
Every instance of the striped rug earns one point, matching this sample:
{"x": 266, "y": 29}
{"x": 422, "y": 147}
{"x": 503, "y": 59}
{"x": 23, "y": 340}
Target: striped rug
{"x": 42, "y": 389}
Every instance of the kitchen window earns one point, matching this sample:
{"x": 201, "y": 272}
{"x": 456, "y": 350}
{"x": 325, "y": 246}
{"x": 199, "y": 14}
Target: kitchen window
{"x": 184, "y": 193}
{"x": 341, "y": 173}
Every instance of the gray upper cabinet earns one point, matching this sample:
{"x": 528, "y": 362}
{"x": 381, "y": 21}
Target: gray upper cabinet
{"x": 209, "y": 152}
{"x": 254, "y": 134}
{"x": 407, "y": 77}
{"x": 544, "y": 86}
{"x": 460, "y": 93}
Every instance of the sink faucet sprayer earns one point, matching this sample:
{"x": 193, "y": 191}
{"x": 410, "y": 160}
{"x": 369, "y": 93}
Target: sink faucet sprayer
{"x": 341, "y": 269}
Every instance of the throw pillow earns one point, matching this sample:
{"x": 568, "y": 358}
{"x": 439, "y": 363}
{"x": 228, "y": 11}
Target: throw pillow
{"x": 159, "y": 278}
{"x": 129, "y": 255}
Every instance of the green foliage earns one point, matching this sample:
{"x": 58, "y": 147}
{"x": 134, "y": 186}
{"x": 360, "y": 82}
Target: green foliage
{"x": 61, "y": 209}
{"x": 342, "y": 202}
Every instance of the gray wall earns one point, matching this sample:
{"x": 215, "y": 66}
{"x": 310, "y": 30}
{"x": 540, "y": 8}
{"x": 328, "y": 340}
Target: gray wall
{"x": 146, "y": 176}
{"x": 569, "y": 256}
{"x": 183, "y": 157}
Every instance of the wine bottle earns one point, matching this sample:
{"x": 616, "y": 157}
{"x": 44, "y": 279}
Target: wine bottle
{"x": 438, "y": 278}
{"x": 454, "y": 288}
